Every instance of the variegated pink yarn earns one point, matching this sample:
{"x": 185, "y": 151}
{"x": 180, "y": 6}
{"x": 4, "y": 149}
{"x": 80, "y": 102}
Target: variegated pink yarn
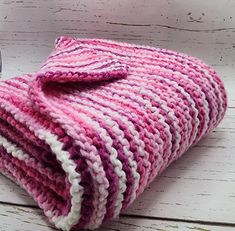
{"x": 101, "y": 119}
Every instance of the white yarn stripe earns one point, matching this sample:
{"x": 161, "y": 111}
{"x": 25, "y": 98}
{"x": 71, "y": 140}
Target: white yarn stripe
{"x": 174, "y": 98}
{"x": 106, "y": 106}
{"x": 102, "y": 112}
{"x": 177, "y": 56}
{"x": 68, "y": 221}
{"x": 63, "y": 222}
{"x": 134, "y": 98}
{"x": 94, "y": 162}
{"x": 93, "y": 65}
{"x": 219, "y": 100}
{"x": 117, "y": 164}
{"x": 137, "y": 101}
{"x": 153, "y": 90}
{"x": 156, "y": 148}
{"x": 199, "y": 65}
{"x": 192, "y": 83}
{"x": 119, "y": 136}
{"x": 163, "y": 105}
{"x": 166, "y": 59}
{"x": 189, "y": 99}
{"x": 143, "y": 55}
{"x": 32, "y": 124}
{"x": 170, "y": 82}
{"x": 136, "y": 138}
{"x": 76, "y": 190}
{"x": 12, "y": 149}
{"x": 18, "y": 153}
{"x": 155, "y": 94}
{"x": 108, "y": 50}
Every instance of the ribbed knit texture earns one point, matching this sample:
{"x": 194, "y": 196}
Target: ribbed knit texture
{"x": 86, "y": 134}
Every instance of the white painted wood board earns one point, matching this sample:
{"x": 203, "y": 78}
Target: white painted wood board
{"x": 205, "y": 29}
{"x": 200, "y": 186}
{"x": 17, "y": 218}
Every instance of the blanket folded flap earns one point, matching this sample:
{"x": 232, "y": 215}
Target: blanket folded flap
{"x": 85, "y": 65}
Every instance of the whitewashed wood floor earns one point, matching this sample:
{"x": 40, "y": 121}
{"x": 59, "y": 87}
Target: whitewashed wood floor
{"x": 197, "y": 192}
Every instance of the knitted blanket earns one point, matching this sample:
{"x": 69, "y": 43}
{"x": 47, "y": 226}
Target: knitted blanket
{"x": 87, "y": 134}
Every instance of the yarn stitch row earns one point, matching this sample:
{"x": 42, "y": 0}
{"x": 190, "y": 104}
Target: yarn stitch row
{"x": 90, "y": 131}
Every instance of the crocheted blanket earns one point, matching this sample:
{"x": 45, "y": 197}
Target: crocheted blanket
{"x": 87, "y": 134}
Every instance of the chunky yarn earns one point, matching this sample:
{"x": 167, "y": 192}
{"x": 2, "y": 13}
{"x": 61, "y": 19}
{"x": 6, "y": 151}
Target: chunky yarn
{"x": 87, "y": 134}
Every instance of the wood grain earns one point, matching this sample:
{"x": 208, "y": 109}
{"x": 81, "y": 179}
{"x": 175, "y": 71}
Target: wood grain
{"x": 28, "y": 28}
{"x": 200, "y": 186}
{"x": 27, "y": 219}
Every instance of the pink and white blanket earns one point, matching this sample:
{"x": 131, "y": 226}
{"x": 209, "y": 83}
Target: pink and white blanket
{"x": 87, "y": 134}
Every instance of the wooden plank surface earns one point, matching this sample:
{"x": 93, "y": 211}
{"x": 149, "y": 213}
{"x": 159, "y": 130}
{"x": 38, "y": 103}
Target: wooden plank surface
{"x": 200, "y": 186}
{"x": 28, "y": 28}
{"x": 16, "y": 218}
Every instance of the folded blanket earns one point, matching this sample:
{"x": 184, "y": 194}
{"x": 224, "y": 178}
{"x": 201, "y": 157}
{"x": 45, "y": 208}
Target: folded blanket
{"x": 86, "y": 134}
